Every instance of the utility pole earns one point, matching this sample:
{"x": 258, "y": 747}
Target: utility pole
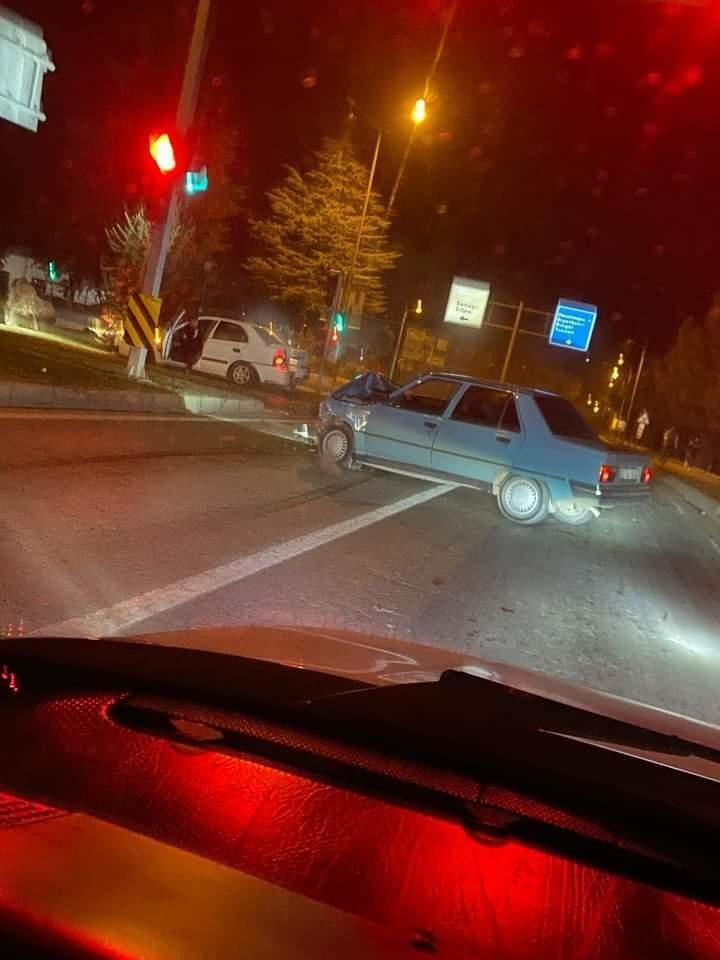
{"x": 162, "y": 231}
{"x": 334, "y": 307}
{"x": 401, "y": 334}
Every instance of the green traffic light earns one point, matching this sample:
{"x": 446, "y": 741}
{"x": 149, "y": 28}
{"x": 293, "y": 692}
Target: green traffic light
{"x": 340, "y": 322}
{"x": 52, "y": 272}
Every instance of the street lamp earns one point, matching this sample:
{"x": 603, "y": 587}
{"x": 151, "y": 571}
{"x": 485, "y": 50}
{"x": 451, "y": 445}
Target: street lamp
{"x": 366, "y": 202}
{"x": 419, "y": 111}
{"x": 418, "y": 115}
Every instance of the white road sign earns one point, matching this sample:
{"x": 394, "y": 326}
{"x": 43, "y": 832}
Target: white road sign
{"x": 467, "y": 302}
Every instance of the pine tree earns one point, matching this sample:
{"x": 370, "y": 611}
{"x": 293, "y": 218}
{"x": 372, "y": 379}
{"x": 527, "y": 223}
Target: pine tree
{"x": 312, "y": 230}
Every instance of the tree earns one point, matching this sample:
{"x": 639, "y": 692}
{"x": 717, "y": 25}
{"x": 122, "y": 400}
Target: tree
{"x": 312, "y": 230}
{"x": 685, "y": 384}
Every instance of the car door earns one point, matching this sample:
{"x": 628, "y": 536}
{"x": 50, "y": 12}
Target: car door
{"x": 226, "y": 343}
{"x": 402, "y": 430}
{"x": 480, "y": 435}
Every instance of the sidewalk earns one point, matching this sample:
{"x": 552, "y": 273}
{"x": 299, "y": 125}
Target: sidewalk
{"x": 698, "y": 488}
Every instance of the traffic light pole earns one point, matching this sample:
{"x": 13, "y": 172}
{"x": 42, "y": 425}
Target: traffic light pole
{"x": 335, "y": 306}
{"x": 162, "y": 231}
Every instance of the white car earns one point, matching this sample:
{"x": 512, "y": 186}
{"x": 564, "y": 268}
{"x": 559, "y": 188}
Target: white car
{"x": 243, "y": 352}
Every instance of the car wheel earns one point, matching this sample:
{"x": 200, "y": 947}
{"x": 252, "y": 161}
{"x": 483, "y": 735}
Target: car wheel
{"x": 336, "y": 446}
{"x": 573, "y": 514}
{"x": 242, "y": 374}
{"x": 523, "y": 500}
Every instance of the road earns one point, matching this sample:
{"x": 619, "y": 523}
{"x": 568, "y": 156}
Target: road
{"x": 118, "y": 525}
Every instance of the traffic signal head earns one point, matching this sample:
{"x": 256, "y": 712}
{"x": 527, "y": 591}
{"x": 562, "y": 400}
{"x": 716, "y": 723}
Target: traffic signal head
{"x": 53, "y": 272}
{"x": 163, "y": 152}
{"x": 340, "y": 322}
{"x": 196, "y": 181}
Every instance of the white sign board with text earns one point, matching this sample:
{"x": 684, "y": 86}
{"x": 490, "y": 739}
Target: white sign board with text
{"x": 467, "y": 302}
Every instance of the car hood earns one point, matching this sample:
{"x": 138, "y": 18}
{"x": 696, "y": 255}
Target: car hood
{"x": 386, "y": 662}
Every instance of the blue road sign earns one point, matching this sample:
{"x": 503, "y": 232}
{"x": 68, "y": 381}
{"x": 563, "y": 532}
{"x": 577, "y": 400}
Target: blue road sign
{"x": 573, "y": 325}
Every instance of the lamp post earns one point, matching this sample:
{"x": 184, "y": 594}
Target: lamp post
{"x": 420, "y": 109}
{"x": 418, "y": 116}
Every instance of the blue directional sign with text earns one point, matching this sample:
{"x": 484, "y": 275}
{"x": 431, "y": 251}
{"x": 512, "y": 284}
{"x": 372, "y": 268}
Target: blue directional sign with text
{"x": 573, "y": 325}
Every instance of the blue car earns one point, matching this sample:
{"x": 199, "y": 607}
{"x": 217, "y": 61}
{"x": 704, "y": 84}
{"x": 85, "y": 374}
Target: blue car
{"x": 531, "y": 449}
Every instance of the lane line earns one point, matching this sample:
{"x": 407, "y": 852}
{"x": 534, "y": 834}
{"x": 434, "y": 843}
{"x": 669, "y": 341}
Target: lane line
{"x": 118, "y": 617}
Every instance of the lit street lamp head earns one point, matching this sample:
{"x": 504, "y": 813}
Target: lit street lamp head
{"x": 419, "y": 111}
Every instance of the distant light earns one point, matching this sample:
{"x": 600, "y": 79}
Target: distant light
{"x": 53, "y": 274}
{"x": 419, "y": 110}
{"x": 418, "y": 306}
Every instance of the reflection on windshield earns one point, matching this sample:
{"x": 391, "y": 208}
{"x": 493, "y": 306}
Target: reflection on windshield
{"x": 517, "y": 226}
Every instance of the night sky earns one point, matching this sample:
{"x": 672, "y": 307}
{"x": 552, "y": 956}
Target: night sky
{"x": 572, "y": 147}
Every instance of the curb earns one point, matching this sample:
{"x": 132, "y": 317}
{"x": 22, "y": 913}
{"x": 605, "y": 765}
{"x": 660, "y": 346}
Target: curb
{"x": 698, "y": 499}
{"x": 133, "y": 401}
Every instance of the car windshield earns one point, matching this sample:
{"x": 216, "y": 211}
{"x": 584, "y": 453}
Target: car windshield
{"x": 487, "y": 231}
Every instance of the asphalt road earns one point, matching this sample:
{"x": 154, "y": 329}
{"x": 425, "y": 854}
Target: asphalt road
{"x": 120, "y": 525}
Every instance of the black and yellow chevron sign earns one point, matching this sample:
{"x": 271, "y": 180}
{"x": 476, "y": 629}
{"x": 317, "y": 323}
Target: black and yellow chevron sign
{"x": 142, "y": 316}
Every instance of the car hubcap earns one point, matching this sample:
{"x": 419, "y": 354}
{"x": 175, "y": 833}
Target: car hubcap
{"x": 241, "y": 375}
{"x": 522, "y": 497}
{"x": 336, "y": 445}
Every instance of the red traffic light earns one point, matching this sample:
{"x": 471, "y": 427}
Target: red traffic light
{"x": 163, "y": 152}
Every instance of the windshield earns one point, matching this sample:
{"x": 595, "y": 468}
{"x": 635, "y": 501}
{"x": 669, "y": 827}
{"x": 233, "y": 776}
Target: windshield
{"x": 486, "y": 229}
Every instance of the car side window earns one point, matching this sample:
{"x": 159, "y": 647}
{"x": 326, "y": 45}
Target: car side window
{"x": 230, "y": 331}
{"x": 484, "y": 407}
{"x": 429, "y": 397}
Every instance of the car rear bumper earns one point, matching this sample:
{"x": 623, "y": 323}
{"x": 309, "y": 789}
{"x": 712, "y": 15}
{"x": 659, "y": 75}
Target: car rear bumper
{"x": 277, "y": 375}
{"x": 611, "y": 495}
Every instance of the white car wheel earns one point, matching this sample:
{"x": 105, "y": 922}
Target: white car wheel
{"x": 573, "y": 514}
{"x": 523, "y": 500}
{"x": 242, "y": 374}
{"x": 336, "y": 446}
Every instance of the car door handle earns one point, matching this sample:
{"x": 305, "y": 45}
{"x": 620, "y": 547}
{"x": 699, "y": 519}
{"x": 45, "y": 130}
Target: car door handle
{"x": 237, "y": 349}
{"x": 430, "y": 424}
{"x": 503, "y": 439}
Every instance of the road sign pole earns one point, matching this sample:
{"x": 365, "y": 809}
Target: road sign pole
{"x": 511, "y": 344}
{"x": 161, "y": 233}
{"x": 398, "y": 344}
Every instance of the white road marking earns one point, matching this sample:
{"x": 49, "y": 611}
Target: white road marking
{"x": 715, "y": 545}
{"x": 120, "y": 616}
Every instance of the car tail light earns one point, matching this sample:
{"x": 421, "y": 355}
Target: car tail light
{"x": 280, "y": 359}
{"x": 646, "y": 475}
{"x": 607, "y": 474}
